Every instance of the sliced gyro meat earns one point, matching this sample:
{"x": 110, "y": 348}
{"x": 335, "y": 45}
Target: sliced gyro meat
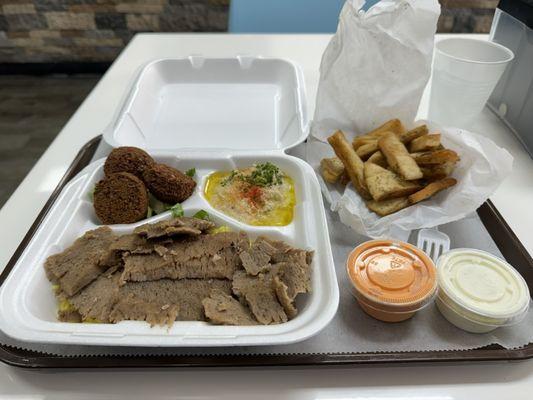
{"x": 222, "y": 309}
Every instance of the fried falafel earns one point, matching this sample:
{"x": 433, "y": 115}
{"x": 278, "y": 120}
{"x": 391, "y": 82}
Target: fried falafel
{"x": 128, "y": 159}
{"x": 168, "y": 184}
{"x": 120, "y": 198}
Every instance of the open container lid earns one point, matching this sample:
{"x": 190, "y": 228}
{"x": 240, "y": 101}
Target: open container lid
{"x": 239, "y": 104}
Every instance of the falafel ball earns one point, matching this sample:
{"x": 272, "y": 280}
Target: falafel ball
{"x": 120, "y": 198}
{"x": 168, "y": 184}
{"x": 128, "y": 159}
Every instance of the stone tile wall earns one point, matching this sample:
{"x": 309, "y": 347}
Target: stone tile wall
{"x": 466, "y": 16}
{"x": 97, "y": 30}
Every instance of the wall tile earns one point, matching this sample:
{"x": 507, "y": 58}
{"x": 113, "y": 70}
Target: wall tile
{"x": 142, "y": 22}
{"x": 27, "y": 42}
{"x": 92, "y": 8}
{"x": 50, "y": 5}
{"x": 469, "y": 3}
{"x": 55, "y": 50}
{"x": 459, "y": 20}
{"x": 20, "y": 8}
{"x": 69, "y": 20}
{"x": 14, "y": 55}
{"x": 3, "y": 23}
{"x": 83, "y": 41}
{"x": 45, "y": 34}
{"x": 184, "y": 18}
{"x": 217, "y": 19}
{"x": 124, "y": 34}
{"x": 71, "y": 32}
{"x": 110, "y": 21}
{"x": 140, "y": 8}
{"x": 18, "y": 34}
{"x": 96, "y": 54}
{"x": 66, "y": 42}
{"x": 97, "y": 34}
{"x": 25, "y": 22}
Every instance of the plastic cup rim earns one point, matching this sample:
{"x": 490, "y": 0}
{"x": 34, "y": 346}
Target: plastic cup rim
{"x": 416, "y": 305}
{"x": 467, "y": 61}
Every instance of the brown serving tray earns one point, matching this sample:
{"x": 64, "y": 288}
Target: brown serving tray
{"x": 501, "y": 233}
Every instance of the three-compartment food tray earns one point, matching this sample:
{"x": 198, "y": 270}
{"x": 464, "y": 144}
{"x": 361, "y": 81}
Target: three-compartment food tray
{"x": 210, "y": 114}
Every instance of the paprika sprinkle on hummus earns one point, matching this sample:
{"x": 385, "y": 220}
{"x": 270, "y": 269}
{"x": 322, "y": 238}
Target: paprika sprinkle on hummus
{"x": 260, "y": 195}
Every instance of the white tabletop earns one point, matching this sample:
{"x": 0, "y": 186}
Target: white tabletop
{"x": 461, "y": 381}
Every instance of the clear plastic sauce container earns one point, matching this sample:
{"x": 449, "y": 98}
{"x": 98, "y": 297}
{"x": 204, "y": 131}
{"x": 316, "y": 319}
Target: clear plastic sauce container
{"x": 391, "y": 280}
{"x": 479, "y": 292}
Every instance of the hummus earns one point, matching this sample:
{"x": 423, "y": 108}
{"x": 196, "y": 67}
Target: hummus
{"x": 260, "y": 195}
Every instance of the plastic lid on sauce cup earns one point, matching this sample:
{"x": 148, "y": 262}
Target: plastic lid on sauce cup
{"x": 391, "y": 277}
{"x": 483, "y": 288}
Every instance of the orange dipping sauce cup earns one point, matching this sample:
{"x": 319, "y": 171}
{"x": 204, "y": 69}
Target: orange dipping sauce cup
{"x": 391, "y": 279}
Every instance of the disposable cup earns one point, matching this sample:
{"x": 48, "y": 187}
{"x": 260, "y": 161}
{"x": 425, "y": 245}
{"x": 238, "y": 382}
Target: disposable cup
{"x": 465, "y": 72}
{"x": 391, "y": 280}
{"x": 479, "y": 292}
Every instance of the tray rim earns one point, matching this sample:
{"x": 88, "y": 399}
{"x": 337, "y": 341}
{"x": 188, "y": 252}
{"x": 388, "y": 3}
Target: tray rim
{"x": 502, "y": 234}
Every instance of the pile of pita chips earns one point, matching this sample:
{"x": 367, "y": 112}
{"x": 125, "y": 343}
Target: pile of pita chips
{"x": 391, "y": 167}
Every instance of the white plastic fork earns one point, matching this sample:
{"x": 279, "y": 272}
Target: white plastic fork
{"x": 433, "y": 242}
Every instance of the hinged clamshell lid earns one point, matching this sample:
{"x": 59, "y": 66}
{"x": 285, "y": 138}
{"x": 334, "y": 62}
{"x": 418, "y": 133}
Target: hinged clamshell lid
{"x": 197, "y": 103}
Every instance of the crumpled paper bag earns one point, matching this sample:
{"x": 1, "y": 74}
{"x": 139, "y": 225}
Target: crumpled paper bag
{"x": 374, "y": 69}
{"x": 376, "y": 66}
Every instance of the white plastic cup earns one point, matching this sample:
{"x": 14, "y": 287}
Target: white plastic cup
{"x": 465, "y": 72}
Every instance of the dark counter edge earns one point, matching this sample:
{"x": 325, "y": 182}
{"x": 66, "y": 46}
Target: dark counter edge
{"x": 511, "y": 248}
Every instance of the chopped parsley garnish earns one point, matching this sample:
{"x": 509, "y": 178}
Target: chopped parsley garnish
{"x": 202, "y": 214}
{"x": 91, "y": 193}
{"x": 157, "y": 206}
{"x": 191, "y": 172}
{"x": 233, "y": 174}
{"x": 177, "y": 210}
{"x": 264, "y": 174}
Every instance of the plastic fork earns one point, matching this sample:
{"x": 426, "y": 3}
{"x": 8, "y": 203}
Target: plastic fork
{"x": 433, "y": 242}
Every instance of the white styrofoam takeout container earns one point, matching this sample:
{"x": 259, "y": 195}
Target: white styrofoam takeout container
{"x": 239, "y": 104}
{"x": 210, "y": 91}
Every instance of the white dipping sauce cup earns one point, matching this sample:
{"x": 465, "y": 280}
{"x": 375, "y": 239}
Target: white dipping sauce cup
{"x": 479, "y": 292}
{"x": 465, "y": 72}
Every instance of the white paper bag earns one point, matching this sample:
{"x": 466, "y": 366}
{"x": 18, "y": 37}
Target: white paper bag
{"x": 374, "y": 69}
{"x": 376, "y": 66}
